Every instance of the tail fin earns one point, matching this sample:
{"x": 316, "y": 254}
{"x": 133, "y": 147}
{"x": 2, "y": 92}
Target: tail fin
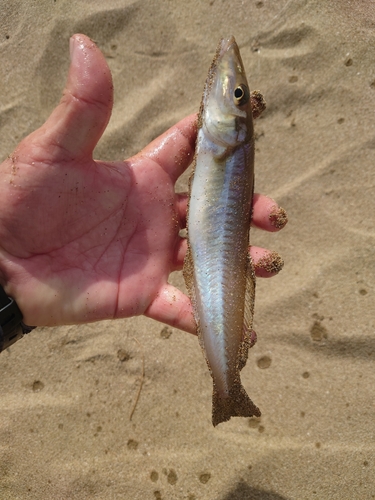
{"x": 236, "y": 404}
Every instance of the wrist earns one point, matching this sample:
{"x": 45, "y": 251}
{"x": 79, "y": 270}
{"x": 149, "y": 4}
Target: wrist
{"x": 12, "y": 327}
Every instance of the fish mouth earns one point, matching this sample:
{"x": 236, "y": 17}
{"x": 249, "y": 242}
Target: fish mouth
{"x": 229, "y": 45}
{"x": 226, "y": 44}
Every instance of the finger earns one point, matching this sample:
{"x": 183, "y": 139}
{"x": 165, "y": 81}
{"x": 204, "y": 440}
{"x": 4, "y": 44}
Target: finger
{"x": 258, "y": 103}
{"x": 173, "y": 308}
{"x": 174, "y": 150}
{"x": 79, "y": 120}
{"x": 266, "y": 262}
{"x": 181, "y": 207}
{"x": 179, "y": 254}
{"x": 267, "y": 214}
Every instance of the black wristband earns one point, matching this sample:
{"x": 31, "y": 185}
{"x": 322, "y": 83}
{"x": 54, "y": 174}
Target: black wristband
{"x": 11, "y": 326}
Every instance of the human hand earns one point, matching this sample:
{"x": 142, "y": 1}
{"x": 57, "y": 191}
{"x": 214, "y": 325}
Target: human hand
{"x": 84, "y": 240}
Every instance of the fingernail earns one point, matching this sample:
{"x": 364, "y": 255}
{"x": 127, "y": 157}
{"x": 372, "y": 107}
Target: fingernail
{"x": 272, "y": 263}
{"x": 278, "y": 217}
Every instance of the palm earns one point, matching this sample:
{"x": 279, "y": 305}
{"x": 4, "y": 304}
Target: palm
{"x": 83, "y": 240}
{"x": 107, "y": 232}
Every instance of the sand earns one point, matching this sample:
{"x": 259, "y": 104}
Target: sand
{"x": 67, "y": 392}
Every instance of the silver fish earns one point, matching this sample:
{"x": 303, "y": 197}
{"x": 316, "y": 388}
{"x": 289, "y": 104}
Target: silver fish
{"x": 218, "y": 271}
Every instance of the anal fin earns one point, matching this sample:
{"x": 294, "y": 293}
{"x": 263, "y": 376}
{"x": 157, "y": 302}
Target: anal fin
{"x": 248, "y": 335}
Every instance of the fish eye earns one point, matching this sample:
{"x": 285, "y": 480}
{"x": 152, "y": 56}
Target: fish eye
{"x": 241, "y": 95}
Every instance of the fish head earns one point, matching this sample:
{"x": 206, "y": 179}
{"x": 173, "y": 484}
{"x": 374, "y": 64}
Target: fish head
{"x": 226, "y": 106}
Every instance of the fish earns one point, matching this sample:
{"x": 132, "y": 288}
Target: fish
{"x": 218, "y": 270}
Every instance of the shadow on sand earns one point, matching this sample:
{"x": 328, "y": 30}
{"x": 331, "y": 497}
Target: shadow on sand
{"x": 243, "y": 491}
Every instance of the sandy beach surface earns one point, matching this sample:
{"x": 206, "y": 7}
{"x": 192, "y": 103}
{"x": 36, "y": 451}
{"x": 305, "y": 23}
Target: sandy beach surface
{"x": 66, "y": 394}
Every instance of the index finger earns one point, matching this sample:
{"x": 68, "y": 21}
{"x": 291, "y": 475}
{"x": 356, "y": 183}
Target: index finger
{"x": 174, "y": 150}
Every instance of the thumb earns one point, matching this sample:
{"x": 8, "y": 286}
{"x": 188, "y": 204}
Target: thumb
{"x": 78, "y": 122}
